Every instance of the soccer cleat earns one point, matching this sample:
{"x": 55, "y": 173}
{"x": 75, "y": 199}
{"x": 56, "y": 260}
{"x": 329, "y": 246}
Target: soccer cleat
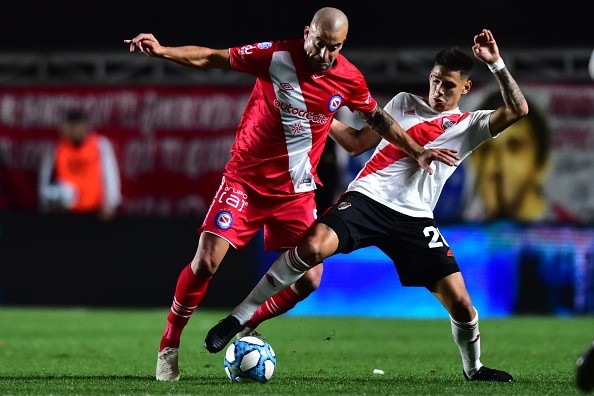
{"x": 584, "y": 375}
{"x": 223, "y": 332}
{"x": 487, "y": 374}
{"x": 167, "y": 367}
{"x": 249, "y": 332}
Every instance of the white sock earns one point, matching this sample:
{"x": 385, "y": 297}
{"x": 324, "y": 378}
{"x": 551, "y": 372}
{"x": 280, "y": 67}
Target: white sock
{"x": 285, "y": 270}
{"x": 467, "y": 336}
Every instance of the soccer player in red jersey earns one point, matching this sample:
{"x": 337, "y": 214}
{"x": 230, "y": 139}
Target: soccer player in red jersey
{"x": 390, "y": 203}
{"x": 270, "y": 179}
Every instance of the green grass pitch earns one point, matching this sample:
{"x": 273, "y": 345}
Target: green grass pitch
{"x": 59, "y": 351}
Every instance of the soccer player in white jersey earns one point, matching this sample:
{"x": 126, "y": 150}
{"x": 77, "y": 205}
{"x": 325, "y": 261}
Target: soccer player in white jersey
{"x": 390, "y": 203}
{"x": 270, "y": 179}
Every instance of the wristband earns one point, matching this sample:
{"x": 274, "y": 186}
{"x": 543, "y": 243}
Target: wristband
{"x": 496, "y": 66}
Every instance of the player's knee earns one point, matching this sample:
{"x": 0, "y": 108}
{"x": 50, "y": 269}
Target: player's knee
{"x": 205, "y": 266}
{"x": 315, "y": 251}
{"x": 461, "y": 309}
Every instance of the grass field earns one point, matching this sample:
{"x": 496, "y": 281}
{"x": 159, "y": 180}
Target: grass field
{"x": 47, "y": 351}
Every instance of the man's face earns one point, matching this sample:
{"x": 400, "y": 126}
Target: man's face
{"x": 75, "y": 131}
{"x": 445, "y": 88}
{"x": 322, "y": 46}
{"x": 507, "y": 169}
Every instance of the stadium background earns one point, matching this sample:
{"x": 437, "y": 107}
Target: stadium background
{"x": 62, "y": 25}
{"x": 63, "y": 260}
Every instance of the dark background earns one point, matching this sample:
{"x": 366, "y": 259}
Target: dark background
{"x": 69, "y": 259}
{"x": 102, "y": 25}
{"x": 136, "y": 261}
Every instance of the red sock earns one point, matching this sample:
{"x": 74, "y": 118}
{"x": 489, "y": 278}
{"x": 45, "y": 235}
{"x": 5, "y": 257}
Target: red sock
{"x": 276, "y": 305}
{"x": 189, "y": 292}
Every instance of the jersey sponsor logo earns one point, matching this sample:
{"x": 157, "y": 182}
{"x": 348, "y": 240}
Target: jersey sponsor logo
{"x": 246, "y": 50}
{"x": 343, "y": 205}
{"x": 334, "y": 103}
{"x": 306, "y": 115}
{"x": 224, "y": 220}
{"x": 233, "y": 197}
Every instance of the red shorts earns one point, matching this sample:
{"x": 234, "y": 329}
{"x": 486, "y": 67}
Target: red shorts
{"x": 237, "y": 213}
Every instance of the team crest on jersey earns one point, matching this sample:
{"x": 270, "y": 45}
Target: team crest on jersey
{"x": 410, "y": 112}
{"x": 264, "y": 45}
{"x": 334, "y": 103}
{"x": 343, "y": 205}
{"x": 296, "y": 128}
{"x": 224, "y": 219}
{"x": 446, "y": 123}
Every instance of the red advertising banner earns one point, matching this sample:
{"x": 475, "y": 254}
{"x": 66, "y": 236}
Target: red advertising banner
{"x": 172, "y": 143}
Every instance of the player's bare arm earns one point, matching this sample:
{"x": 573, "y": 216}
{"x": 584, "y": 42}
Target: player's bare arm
{"x": 354, "y": 141}
{"x": 384, "y": 125}
{"x": 189, "y": 55}
{"x": 515, "y": 106}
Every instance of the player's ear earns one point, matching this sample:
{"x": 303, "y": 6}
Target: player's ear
{"x": 467, "y": 87}
{"x": 305, "y": 32}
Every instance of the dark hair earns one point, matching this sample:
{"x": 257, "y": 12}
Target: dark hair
{"x": 453, "y": 58}
{"x": 75, "y": 115}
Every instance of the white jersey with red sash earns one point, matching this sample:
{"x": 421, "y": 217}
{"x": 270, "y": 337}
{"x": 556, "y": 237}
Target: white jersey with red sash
{"x": 394, "y": 179}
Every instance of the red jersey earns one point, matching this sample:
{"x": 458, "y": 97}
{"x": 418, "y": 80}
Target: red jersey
{"x": 282, "y": 132}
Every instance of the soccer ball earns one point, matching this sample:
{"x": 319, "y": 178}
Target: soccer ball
{"x": 250, "y": 358}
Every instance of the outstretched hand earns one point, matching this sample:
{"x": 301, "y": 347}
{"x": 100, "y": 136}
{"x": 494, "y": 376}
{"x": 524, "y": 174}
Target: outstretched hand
{"x": 145, "y": 43}
{"x": 485, "y": 47}
{"x": 447, "y": 156}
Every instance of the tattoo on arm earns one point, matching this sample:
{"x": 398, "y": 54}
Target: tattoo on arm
{"x": 510, "y": 91}
{"x": 379, "y": 120}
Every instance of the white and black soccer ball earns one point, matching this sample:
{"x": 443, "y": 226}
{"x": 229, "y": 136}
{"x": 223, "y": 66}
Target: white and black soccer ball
{"x": 250, "y": 358}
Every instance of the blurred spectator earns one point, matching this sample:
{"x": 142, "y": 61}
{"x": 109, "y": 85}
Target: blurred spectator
{"x": 507, "y": 173}
{"x": 81, "y": 175}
